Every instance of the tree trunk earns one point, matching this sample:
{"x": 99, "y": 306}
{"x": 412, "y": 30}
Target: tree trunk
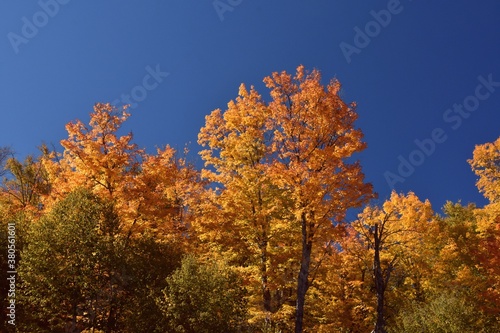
{"x": 380, "y": 284}
{"x": 302, "y": 284}
{"x": 74, "y": 315}
{"x": 266, "y": 294}
{"x": 110, "y": 326}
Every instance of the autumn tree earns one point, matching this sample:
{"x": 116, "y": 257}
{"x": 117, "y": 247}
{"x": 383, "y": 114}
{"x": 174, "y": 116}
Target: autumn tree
{"x": 97, "y": 158}
{"x": 149, "y": 194}
{"x": 149, "y": 191}
{"x": 462, "y": 287}
{"x": 394, "y": 234}
{"x": 458, "y": 286}
{"x": 340, "y": 297}
{"x": 27, "y": 184}
{"x": 486, "y": 165}
{"x": 243, "y": 216}
{"x": 164, "y": 189}
{"x": 313, "y": 138}
{"x": 294, "y": 150}
{"x": 5, "y": 152}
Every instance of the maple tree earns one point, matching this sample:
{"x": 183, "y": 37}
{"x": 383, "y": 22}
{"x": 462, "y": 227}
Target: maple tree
{"x": 250, "y": 229}
{"x": 163, "y": 191}
{"x": 486, "y": 165}
{"x": 111, "y": 238}
{"x": 296, "y": 146}
{"x": 149, "y": 191}
{"x": 95, "y": 157}
{"x": 458, "y": 288}
{"x": 393, "y": 233}
{"x": 313, "y": 137}
{"x": 340, "y": 297}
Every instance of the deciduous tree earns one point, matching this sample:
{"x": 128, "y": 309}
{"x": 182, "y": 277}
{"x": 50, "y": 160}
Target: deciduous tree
{"x": 202, "y": 298}
{"x": 394, "y": 235}
{"x": 5, "y": 152}
{"x": 313, "y": 140}
{"x": 71, "y": 267}
{"x": 290, "y": 161}
{"x": 149, "y": 191}
{"x": 486, "y": 165}
{"x": 97, "y": 158}
{"x": 27, "y": 185}
{"x": 247, "y": 221}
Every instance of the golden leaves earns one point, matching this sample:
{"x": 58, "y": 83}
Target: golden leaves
{"x": 280, "y": 167}
{"x": 149, "y": 191}
{"x": 486, "y": 165}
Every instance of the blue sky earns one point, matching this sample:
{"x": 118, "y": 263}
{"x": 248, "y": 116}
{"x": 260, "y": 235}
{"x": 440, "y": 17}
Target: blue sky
{"x": 420, "y": 71}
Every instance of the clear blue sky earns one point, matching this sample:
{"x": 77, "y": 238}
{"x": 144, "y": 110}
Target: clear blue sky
{"x": 404, "y": 62}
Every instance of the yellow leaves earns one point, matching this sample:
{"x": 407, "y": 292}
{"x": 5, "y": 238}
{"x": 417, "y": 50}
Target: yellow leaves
{"x": 313, "y": 134}
{"x": 393, "y": 245}
{"x": 279, "y": 173}
{"x": 280, "y": 167}
{"x": 242, "y": 91}
{"x": 466, "y": 277}
{"x": 96, "y": 157}
{"x": 486, "y": 165}
{"x": 149, "y": 191}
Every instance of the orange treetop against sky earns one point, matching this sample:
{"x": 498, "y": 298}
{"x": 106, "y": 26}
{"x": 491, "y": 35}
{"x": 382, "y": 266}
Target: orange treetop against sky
{"x": 425, "y": 76}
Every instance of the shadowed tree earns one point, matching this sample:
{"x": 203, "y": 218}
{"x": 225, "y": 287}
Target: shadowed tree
{"x": 5, "y": 152}
{"x": 204, "y": 298}
{"x": 28, "y": 183}
{"x": 486, "y": 165}
{"x": 71, "y": 267}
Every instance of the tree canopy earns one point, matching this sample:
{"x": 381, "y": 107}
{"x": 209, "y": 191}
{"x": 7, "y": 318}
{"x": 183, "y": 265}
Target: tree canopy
{"x": 106, "y": 237}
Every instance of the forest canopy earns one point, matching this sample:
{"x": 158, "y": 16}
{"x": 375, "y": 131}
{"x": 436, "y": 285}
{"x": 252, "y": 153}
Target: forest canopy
{"x": 104, "y": 237}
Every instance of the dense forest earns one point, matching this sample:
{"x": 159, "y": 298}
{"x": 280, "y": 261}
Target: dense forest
{"x": 101, "y": 236}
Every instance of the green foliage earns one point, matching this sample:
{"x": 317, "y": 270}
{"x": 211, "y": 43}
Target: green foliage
{"x": 148, "y": 264}
{"x": 445, "y": 313}
{"x": 204, "y": 298}
{"x": 70, "y": 266}
{"x": 20, "y": 222}
{"x": 77, "y": 265}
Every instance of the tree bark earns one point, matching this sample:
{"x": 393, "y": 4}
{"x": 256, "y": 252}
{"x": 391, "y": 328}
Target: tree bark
{"x": 302, "y": 284}
{"x": 380, "y": 284}
{"x": 266, "y": 294}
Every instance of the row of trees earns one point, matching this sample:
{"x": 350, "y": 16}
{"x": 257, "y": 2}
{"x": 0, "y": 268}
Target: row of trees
{"x": 112, "y": 239}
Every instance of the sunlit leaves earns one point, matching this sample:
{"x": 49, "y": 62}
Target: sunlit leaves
{"x": 285, "y": 174}
{"x": 486, "y": 165}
